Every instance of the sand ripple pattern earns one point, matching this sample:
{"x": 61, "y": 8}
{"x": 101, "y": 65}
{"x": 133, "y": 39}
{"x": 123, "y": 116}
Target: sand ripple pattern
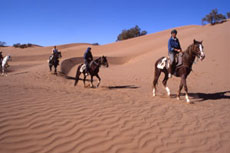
{"x": 100, "y": 123}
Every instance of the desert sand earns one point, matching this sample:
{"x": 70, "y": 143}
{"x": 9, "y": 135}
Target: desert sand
{"x": 44, "y": 113}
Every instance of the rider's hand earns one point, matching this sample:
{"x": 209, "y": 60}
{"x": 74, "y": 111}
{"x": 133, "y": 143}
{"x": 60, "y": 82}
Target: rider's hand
{"x": 178, "y": 50}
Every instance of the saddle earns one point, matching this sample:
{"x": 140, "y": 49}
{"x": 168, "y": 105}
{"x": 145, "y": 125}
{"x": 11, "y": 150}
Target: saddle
{"x": 83, "y": 67}
{"x": 51, "y": 59}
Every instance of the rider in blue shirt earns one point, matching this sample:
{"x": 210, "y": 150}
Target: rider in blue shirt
{"x": 173, "y": 49}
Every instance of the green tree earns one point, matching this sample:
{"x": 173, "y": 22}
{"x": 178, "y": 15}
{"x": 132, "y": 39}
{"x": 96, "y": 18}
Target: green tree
{"x": 213, "y": 18}
{"x": 131, "y": 33}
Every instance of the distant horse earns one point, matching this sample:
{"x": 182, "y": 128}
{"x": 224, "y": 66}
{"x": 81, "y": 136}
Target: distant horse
{"x": 4, "y": 64}
{"x": 162, "y": 64}
{"x": 1, "y": 58}
{"x": 54, "y": 61}
{"x": 94, "y": 67}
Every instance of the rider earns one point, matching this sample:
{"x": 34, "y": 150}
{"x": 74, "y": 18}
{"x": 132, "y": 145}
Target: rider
{"x": 173, "y": 49}
{"x": 1, "y": 57}
{"x": 54, "y": 51}
{"x": 88, "y": 57}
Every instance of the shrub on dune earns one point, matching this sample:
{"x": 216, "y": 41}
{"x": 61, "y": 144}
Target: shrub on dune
{"x": 131, "y": 33}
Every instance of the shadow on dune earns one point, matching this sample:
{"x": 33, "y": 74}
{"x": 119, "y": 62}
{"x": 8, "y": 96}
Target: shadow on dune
{"x": 121, "y": 87}
{"x": 210, "y": 96}
{"x": 73, "y": 78}
{"x": 201, "y": 97}
{"x": 69, "y": 63}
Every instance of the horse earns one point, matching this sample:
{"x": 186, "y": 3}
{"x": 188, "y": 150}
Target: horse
{"x": 54, "y": 61}
{"x": 4, "y": 64}
{"x": 194, "y": 50}
{"x": 1, "y": 58}
{"x": 94, "y": 67}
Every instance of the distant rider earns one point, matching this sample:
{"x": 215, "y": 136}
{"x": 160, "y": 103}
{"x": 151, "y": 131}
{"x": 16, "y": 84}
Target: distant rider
{"x": 88, "y": 57}
{"x": 54, "y": 51}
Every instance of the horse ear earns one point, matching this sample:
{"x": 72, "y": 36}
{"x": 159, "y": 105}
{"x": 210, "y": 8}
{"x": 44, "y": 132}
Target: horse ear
{"x": 194, "y": 41}
{"x": 201, "y": 41}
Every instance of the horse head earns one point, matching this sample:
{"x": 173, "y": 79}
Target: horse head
{"x": 104, "y": 61}
{"x": 198, "y": 49}
{"x": 59, "y": 55}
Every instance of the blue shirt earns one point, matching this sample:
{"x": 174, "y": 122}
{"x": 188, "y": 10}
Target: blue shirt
{"x": 173, "y": 43}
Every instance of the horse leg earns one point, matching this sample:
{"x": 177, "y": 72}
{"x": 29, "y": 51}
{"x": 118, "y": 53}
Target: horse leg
{"x": 84, "y": 80}
{"x": 180, "y": 87}
{"x": 3, "y": 70}
{"x": 92, "y": 81}
{"x": 50, "y": 67}
{"x": 165, "y": 80}
{"x": 55, "y": 69}
{"x": 99, "y": 80}
{"x": 186, "y": 90}
{"x": 156, "y": 77}
{"x": 78, "y": 73}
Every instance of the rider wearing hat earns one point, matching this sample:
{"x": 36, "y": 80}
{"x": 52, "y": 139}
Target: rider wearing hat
{"x": 173, "y": 49}
{"x": 88, "y": 57}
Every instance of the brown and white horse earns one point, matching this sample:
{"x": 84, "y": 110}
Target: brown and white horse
{"x": 182, "y": 71}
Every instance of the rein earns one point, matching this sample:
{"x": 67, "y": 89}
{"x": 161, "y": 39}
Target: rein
{"x": 96, "y": 62}
{"x": 188, "y": 54}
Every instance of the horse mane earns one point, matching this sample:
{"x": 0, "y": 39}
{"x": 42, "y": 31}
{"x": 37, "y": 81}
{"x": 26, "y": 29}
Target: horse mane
{"x": 188, "y": 50}
{"x": 96, "y": 60}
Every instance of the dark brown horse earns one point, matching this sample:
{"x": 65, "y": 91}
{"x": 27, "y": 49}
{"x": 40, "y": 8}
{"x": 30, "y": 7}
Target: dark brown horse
{"x": 55, "y": 61}
{"x": 1, "y": 58}
{"x": 94, "y": 67}
{"x": 162, "y": 64}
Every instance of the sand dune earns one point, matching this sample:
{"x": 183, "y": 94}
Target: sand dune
{"x": 44, "y": 113}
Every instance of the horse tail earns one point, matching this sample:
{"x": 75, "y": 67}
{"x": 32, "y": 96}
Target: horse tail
{"x": 78, "y": 73}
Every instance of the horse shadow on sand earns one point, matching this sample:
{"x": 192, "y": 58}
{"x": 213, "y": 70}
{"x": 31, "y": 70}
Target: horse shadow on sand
{"x": 202, "y": 97}
{"x": 121, "y": 87}
{"x": 107, "y": 87}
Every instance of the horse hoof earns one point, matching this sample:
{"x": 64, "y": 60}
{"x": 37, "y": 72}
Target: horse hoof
{"x": 189, "y": 102}
{"x": 154, "y": 95}
{"x": 178, "y": 98}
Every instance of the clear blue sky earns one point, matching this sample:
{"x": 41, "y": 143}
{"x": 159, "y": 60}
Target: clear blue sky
{"x": 53, "y": 22}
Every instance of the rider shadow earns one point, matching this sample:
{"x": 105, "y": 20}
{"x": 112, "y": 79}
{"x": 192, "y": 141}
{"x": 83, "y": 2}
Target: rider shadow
{"x": 201, "y": 97}
{"x": 121, "y": 87}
